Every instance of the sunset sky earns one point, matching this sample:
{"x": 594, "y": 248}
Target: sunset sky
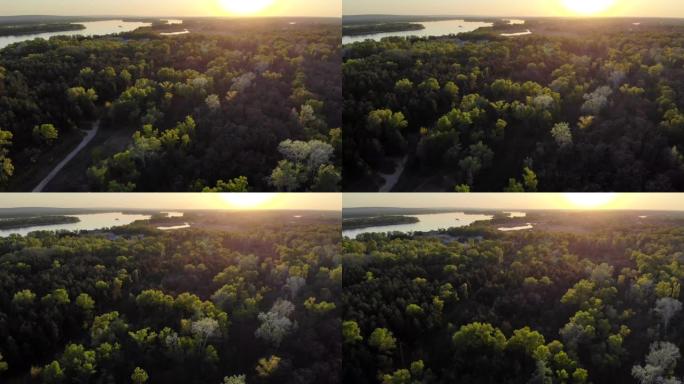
{"x": 326, "y": 8}
{"x": 638, "y": 8}
{"x": 637, "y": 201}
{"x": 175, "y": 201}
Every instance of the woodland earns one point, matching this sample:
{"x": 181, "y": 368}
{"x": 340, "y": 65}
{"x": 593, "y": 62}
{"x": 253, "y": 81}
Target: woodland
{"x": 596, "y": 298}
{"x": 259, "y": 304}
{"x": 232, "y": 106}
{"x": 578, "y": 105}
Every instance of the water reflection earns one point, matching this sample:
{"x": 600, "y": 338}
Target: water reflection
{"x": 432, "y": 28}
{"x": 431, "y": 222}
{"x": 93, "y": 28}
{"x": 87, "y": 222}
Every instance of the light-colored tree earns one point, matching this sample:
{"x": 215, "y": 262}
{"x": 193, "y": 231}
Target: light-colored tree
{"x": 213, "y": 102}
{"x": 562, "y": 134}
{"x": 661, "y": 362}
{"x": 667, "y": 308}
{"x": 235, "y": 379}
{"x": 276, "y": 323}
{"x": 204, "y": 329}
{"x": 294, "y": 284}
{"x": 596, "y": 101}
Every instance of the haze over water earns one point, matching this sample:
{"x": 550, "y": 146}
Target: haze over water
{"x": 93, "y": 28}
{"x": 432, "y": 28}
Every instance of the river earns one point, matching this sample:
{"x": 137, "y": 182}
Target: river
{"x": 432, "y": 28}
{"x": 433, "y": 222}
{"x": 93, "y": 28}
{"x": 88, "y": 222}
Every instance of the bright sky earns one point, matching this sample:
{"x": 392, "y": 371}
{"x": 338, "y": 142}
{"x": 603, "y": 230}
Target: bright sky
{"x": 169, "y": 8}
{"x": 637, "y": 8}
{"x": 175, "y": 201}
{"x": 637, "y": 201}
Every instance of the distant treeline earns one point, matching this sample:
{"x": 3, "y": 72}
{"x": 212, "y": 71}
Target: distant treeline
{"x": 15, "y": 30}
{"x": 23, "y": 222}
{"x": 368, "y": 29}
{"x": 365, "y": 222}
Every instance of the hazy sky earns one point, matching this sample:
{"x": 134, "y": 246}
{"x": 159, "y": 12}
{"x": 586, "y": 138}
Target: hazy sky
{"x": 174, "y": 201}
{"x": 640, "y": 201}
{"x": 328, "y": 8}
{"x": 650, "y": 8}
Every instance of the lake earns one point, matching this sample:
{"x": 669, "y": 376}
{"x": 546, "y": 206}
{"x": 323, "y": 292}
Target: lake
{"x": 174, "y": 227}
{"x": 173, "y": 214}
{"x": 432, "y": 28}
{"x": 93, "y": 28}
{"x": 519, "y": 228}
{"x": 88, "y": 222}
{"x": 430, "y": 222}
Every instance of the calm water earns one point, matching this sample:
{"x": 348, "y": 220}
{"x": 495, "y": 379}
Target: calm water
{"x": 527, "y": 32}
{"x": 93, "y": 28}
{"x": 186, "y": 225}
{"x": 88, "y": 222}
{"x": 183, "y": 32}
{"x": 432, "y": 28}
{"x": 520, "y": 228}
{"x": 173, "y": 214}
{"x": 426, "y": 223}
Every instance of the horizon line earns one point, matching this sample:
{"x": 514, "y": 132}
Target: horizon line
{"x": 170, "y": 17}
{"x": 516, "y": 16}
{"x": 524, "y": 209}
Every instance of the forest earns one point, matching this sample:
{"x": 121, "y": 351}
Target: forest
{"x": 353, "y": 30}
{"x": 365, "y": 222}
{"x": 252, "y": 105}
{"x": 592, "y": 297}
{"x": 578, "y": 105}
{"x": 215, "y": 304}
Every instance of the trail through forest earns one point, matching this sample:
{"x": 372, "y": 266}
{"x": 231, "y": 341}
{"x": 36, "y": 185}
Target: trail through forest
{"x": 90, "y": 135}
{"x": 392, "y": 179}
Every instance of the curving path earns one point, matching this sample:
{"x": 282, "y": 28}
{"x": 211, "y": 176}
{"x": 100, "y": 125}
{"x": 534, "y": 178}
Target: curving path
{"x": 86, "y": 140}
{"x": 392, "y": 179}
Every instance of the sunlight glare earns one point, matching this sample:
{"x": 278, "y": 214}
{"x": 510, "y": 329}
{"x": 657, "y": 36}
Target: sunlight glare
{"x": 245, "y": 7}
{"x": 588, "y": 7}
{"x": 589, "y": 200}
{"x": 248, "y": 200}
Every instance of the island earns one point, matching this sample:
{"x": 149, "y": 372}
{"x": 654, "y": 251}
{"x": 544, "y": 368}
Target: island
{"x": 370, "y": 29}
{"x": 378, "y": 221}
{"x": 23, "y": 222}
{"x": 29, "y": 29}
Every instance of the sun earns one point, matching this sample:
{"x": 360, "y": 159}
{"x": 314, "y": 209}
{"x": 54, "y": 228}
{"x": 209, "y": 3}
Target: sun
{"x": 248, "y": 200}
{"x": 245, "y": 7}
{"x": 589, "y": 200}
{"x": 588, "y": 7}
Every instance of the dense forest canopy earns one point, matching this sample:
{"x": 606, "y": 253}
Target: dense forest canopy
{"x": 215, "y": 304}
{"x": 577, "y": 106}
{"x": 586, "y": 298}
{"x": 232, "y": 106}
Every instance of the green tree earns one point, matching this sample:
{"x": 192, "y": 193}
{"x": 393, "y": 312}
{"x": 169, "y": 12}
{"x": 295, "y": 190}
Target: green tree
{"x": 239, "y": 184}
{"x": 382, "y": 339}
{"x": 139, "y": 376}
{"x": 6, "y": 166}
{"x": 85, "y": 302}
{"x": 351, "y": 332}
{"x": 45, "y": 134}
{"x": 53, "y": 373}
